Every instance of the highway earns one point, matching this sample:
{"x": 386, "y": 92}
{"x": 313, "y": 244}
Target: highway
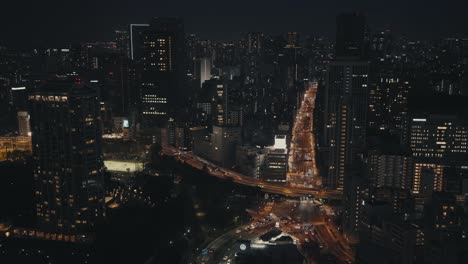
{"x": 296, "y": 190}
{"x": 302, "y": 166}
{"x": 303, "y": 180}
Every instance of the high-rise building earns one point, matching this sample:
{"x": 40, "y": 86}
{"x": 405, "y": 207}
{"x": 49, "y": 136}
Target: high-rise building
{"x": 392, "y": 171}
{"x": 204, "y": 65}
{"x": 68, "y": 180}
{"x": 225, "y": 111}
{"x": 136, "y": 40}
{"x": 112, "y": 75}
{"x": 346, "y": 98}
{"x": 346, "y": 117}
{"x": 436, "y": 138}
{"x": 162, "y": 76}
{"x": 24, "y": 127}
{"x": 122, "y": 42}
{"x": 350, "y": 36}
{"x": 388, "y": 102}
{"x": 437, "y": 143}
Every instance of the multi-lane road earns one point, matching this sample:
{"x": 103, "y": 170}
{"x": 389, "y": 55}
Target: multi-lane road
{"x": 294, "y": 218}
{"x": 302, "y": 166}
{"x": 303, "y": 180}
{"x": 212, "y": 169}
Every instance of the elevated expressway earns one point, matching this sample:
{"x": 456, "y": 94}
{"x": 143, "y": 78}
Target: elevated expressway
{"x": 212, "y": 169}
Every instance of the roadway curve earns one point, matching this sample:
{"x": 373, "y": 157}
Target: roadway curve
{"x": 212, "y": 169}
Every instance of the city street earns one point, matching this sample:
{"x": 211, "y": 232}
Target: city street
{"x": 291, "y": 190}
{"x": 302, "y": 166}
{"x": 305, "y": 221}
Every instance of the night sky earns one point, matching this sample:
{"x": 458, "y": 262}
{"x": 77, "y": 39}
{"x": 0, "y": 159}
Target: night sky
{"x": 55, "y": 23}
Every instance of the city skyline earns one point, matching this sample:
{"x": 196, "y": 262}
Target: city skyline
{"x": 155, "y": 145}
{"x": 56, "y": 23}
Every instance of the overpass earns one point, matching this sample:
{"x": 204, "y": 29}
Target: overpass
{"x": 212, "y": 169}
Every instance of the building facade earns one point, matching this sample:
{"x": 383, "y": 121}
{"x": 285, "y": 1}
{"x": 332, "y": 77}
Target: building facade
{"x": 68, "y": 167}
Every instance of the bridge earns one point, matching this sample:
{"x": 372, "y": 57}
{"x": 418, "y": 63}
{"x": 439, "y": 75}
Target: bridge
{"x": 212, "y": 169}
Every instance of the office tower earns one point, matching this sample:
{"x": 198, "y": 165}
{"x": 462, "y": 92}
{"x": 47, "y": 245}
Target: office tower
{"x": 68, "y": 180}
{"x": 437, "y": 138}
{"x": 122, "y": 42}
{"x": 346, "y": 98}
{"x": 350, "y": 36}
{"x": 345, "y": 116}
{"x": 226, "y": 112}
{"x": 276, "y": 166}
{"x": 204, "y": 65}
{"x": 388, "y": 102}
{"x": 162, "y": 77}
{"x": 437, "y": 143}
{"x": 24, "y": 127}
{"x": 221, "y": 102}
{"x": 111, "y": 74}
{"x": 293, "y": 63}
{"x": 79, "y": 57}
{"x": 136, "y": 41}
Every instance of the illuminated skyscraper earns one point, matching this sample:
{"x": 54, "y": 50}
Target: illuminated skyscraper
{"x": 346, "y": 112}
{"x": 346, "y": 106}
{"x": 163, "y": 68}
{"x": 438, "y": 138}
{"x": 68, "y": 179}
{"x": 393, "y": 171}
{"x": 388, "y": 102}
{"x": 205, "y": 69}
{"x": 436, "y": 142}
